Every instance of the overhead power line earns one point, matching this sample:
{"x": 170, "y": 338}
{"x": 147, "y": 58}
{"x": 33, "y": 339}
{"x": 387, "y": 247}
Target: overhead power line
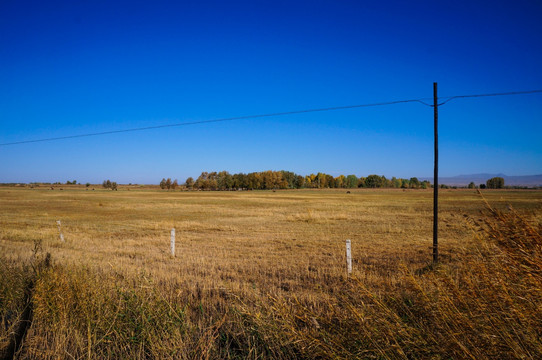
{"x": 245, "y": 117}
{"x": 449, "y": 98}
{"x": 215, "y": 121}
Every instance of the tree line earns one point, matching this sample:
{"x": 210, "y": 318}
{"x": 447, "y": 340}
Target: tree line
{"x": 168, "y": 184}
{"x": 108, "y": 184}
{"x": 493, "y": 183}
{"x": 270, "y": 180}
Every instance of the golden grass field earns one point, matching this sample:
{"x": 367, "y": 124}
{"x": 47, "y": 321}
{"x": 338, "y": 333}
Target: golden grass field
{"x": 261, "y": 274}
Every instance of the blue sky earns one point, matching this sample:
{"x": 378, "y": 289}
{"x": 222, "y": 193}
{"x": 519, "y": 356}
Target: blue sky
{"x": 70, "y": 68}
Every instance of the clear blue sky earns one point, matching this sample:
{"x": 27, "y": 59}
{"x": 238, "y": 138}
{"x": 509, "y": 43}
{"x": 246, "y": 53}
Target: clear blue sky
{"x": 76, "y": 67}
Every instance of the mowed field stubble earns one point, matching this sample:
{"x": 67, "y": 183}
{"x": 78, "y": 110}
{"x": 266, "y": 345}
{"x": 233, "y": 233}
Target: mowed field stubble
{"x": 262, "y": 274}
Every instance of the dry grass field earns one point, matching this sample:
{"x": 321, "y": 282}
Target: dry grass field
{"x": 261, "y": 274}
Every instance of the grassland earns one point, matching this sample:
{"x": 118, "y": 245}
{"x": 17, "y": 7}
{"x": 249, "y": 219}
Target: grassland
{"x": 262, "y": 274}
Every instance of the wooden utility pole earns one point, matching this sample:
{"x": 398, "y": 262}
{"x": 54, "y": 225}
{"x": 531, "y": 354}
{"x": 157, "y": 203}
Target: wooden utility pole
{"x": 435, "y": 178}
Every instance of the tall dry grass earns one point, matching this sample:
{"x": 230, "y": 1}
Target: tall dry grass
{"x": 485, "y": 305}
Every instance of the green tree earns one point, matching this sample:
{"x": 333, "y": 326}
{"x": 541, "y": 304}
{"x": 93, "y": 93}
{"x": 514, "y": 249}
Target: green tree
{"x": 189, "y": 182}
{"x": 174, "y": 184}
{"x": 472, "y": 185}
{"x": 375, "y": 181}
{"x": 212, "y": 180}
{"x": 203, "y": 181}
{"x": 495, "y": 183}
{"x": 224, "y": 180}
{"x": 228, "y": 181}
{"x": 299, "y": 182}
{"x": 352, "y": 181}
{"x": 240, "y": 181}
{"x": 330, "y": 181}
{"x": 114, "y": 186}
{"x": 414, "y": 182}
{"x": 290, "y": 178}
{"x": 163, "y": 184}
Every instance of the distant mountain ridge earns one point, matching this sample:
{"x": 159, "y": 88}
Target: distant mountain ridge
{"x": 461, "y": 180}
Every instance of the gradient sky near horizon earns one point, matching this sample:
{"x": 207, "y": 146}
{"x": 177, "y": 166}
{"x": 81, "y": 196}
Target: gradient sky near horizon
{"x": 73, "y": 67}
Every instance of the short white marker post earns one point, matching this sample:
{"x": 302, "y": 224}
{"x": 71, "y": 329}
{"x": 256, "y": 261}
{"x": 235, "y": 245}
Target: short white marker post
{"x": 173, "y": 242}
{"x": 348, "y": 257}
{"x": 60, "y": 230}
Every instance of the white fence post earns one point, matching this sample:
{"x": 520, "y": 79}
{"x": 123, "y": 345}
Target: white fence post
{"x": 348, "y": 257}
{"x": 60, "y": 230}
{"x": 173, "y": 242}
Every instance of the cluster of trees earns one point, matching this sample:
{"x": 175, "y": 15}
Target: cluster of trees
{"x": 74, "y": 182}
{"x": 493, "y": 183}
{"x": 108, "y": 184}
{"x": 168, "y": 184}
{"x": 267, "y": 180}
